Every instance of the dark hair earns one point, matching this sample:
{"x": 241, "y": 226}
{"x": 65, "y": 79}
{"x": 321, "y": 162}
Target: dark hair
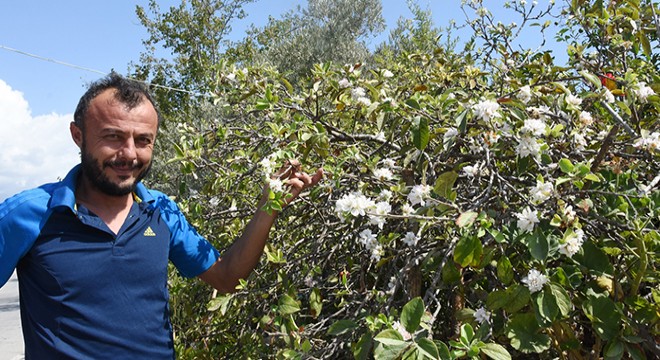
{"x": 129, "y": 92}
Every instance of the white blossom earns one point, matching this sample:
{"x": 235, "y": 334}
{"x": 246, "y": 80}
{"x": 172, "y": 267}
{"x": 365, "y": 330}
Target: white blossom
{"x": 385, "y": 195}
{"x": 539, "y": 112}
{"x": 387, "y": 74}
{"x": 482, "y": 315}
{"x": 358, "y": 92}
{"x": 528, "y": 146}
{"x": 569, "y": 214}
{"x": 368, "y": 239}
{"x": 487, "y": 110}
{"x": 534, "y": 127}
{"x": 642, "y": 91}
{"x": 276, "y": 185}
{"x": 418, "y": 194}
{"x": 404, "y": 333}
{"x": 609, "y": 97}
{"x": 535, "y": 280}
{"x": 449, "y": 135}
{"x": 231, "y": 77}
{"x": 355, "y": 204}
{"x": 541, "y": 192}
{"x": 268, "y": 164}
{"x": 411, "y": 239}
{"x": 344, "y": 83}
{"x": 586, "y": 119}
{"x": 573, "y": 243}
{"x": 389, "y": 163}
{"x": 649, "y": 142}
{"x": 364, "y": 101}
{"x": 377, "y": 215}
{"x": 525, "y": 94}
{"x": 215, "y": 201}
{"x": 527, "y": 219}
{"x": 407, "y": 209}
{"x": 580, "y": 141}
{"x": 383, "y": 174}
{"x": 471, "y": 170}
{"x": 573, "y": 100}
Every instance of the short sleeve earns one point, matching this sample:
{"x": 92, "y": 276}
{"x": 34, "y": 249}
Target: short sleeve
{"x": 190, "y": 252}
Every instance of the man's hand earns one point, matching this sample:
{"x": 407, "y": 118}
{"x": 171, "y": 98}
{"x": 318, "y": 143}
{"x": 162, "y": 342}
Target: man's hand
{"x": 297, "y": 180}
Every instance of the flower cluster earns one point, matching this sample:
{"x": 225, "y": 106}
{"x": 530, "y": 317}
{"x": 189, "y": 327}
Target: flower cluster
{"x": 535, "y": 280}
{"x": 482, "y": 315}
{"x": 650, "y": 142}
{"x": 487, "y": 110}
{"x": 419, "y": 194}
{"x": 360, "y": 95}
{"x": 527, "y": 219}
{"x": 355, "y": 204}
{"x": 411, "y": 239}
{"x": 370, "y": 242}
{"x": 643, "y": 91}
{"x": 541, "y": 192}
{"x": 573, "y": 243}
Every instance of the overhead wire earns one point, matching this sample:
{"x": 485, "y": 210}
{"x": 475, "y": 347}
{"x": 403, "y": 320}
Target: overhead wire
{"x": 78, "y": 67}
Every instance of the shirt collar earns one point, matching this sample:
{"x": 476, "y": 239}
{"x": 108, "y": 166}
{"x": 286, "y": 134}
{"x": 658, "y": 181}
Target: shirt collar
{"x": 65, "y": 193}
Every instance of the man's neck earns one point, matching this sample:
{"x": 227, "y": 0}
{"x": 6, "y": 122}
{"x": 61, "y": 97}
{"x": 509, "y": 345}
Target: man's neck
{"x": 111, "y": 209}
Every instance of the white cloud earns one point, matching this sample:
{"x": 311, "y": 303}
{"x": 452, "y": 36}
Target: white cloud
{"x": 34, "y": 150}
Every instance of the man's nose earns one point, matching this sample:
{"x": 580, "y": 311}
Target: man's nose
{"x": 127, "y": 150}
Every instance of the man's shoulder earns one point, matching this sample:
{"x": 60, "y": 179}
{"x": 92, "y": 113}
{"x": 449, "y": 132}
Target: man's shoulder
{"x": 28, "y": 202}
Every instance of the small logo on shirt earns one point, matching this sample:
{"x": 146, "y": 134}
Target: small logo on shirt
{"x": 149, "y": 232}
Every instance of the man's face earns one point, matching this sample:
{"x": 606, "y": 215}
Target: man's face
{"x": 117, "y": 144}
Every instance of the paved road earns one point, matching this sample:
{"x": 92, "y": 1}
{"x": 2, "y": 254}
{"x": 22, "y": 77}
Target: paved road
{"x": 11, "y": 338}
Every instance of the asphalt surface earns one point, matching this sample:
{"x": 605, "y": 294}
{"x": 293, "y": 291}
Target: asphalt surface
{"x": 11, "y": 337}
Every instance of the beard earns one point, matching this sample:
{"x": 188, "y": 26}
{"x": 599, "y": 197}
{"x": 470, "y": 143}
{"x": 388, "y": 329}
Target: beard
{"x": 94, "y": 173}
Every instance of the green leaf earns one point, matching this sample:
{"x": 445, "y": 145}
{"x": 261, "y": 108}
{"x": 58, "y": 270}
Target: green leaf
{"x": 288, "y": 305}
{"x": 593, "y": 79}
{"x": 545, "y": 308}
{"x": 495, "y": 351}
{"x": 315, "y": 302}
{"x": 604, "y": 315}
{"x": 561, "y": 298}
{"x": 566, "y": 166}
{"x": 427, "y": 348}
{"x": 525, "y": 336}
{"x": 514, "y": 298}
{"x": 413, "y": 104}
{"x": 412, "y": 313}
{"x": 421, "y": 134}
{"x": 219, "y": 303}
{"x": 468, "y": 251}
{"x": 391, "y": 337}
{"x": 467, "y": 334}
{"x": 341, "y": 326}
{"x": 518, "y": 297}
{"x": 444, "y": 184}
{"x": 467, "y": 218}
{"x": 362, "y": 349}
{"x": 594, "y": 259}
{"x": 505, "y": 270}
{"x": 538, "y": 245}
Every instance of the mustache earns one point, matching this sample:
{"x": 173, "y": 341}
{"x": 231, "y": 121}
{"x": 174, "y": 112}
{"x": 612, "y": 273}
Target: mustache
{"x": 123, "y": 164}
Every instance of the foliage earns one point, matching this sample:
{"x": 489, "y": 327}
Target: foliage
{"x": 323, "y": 31}
{"x": 488, "y": 203}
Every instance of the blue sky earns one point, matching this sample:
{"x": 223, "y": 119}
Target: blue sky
{"x": 37, "y": 97}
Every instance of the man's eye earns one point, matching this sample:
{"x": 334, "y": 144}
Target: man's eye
{"x": 112, "y": 137}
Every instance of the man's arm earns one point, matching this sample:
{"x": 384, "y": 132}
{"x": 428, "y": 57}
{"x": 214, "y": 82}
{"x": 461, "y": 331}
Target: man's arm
{"x": 243, "y": 256}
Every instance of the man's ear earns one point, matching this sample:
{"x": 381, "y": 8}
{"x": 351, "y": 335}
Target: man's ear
{"x": 76, "y": 134}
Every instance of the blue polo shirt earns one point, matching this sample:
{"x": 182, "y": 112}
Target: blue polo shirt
{"x": 86, "y": 293}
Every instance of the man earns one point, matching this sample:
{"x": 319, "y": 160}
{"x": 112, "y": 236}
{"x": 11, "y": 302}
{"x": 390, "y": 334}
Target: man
{"x": 92, "y": 250}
